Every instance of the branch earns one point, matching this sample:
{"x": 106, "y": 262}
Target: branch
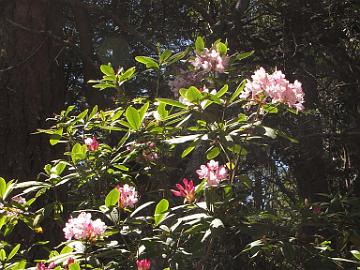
{"x": 31, "y": 55}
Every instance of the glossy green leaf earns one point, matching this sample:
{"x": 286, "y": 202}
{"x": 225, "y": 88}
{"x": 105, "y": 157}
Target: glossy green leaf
{"x": 121, "y": 167}
{"x": 213, "y": 152}
{"x": 78, "y": 153}
{"x": 56, "y": 136}
{"x": 199, "y": 45}
{"x": 112, "y": 198}
{"x": 356, "y": 254}
{"x": 244, "y": 55}
{"x": 128, "y": 74}
{"x": 238, "y": 91}
{"x": 107, "y": 70}
{"x": 222, "y": 91}
{"x": 143, "y": 110}
{"x": 164, "y": 56}
{"x": 172, "y": 102}
{"x": 221, "y": 48}
{"x": 74, "y": 266}
{"x": 147, "y": 61}
{"x": 161, "y": 110}
{"x": 13, "y": 252}
{"x": 133, "y": 118}
{"x": 187, "y": 151}
{"x": 2, "y": 187}
{"x": 161, "y": 211}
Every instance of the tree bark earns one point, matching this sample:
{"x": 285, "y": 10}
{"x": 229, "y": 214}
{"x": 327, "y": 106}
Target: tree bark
{"x": 31, "y": 83}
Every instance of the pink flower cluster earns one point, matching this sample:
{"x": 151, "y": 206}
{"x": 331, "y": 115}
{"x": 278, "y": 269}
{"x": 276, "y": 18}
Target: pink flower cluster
{"x": 128, "y": 196}
{"x": 275, "y": 87}
{"x": 19, "y": 199}
{"x": 187, "y": 191}
{"x": 143, "y": 264}
{"x": 213, "y": 173}
{"x": 42, "y": 266}
{"x": 84, "y": 228}
{"x": 184, "y": 80}
{"x": 149, "y": 153}
{"x": 148, "y": 150}
{"x": 210, "y": 60}
{"x": 91, "y": 143}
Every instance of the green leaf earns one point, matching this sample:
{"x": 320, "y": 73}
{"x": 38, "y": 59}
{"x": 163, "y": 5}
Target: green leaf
{"x": 74, "y": 266}
{"x": 161, "y": 211}
{"x": 117, "y": 114}
{"x": 221, "y": 48}
{"x": 78, "y": 153}
{"x": 133, "y": 118}
{"x": 217, "y": 223}
{"x": 107, "y": 70}
{"x": 2, "y": 187}
{"x": 161, "y": 109}
{"x": 164, "y": 56}
{"x": 183, "y": 139}
{"x": 356, "y": 254}
{"x": 172, "y": 102}
{"x": 66, "y": 249}
{"x": 121, "y": 167}
{"x": 103, "y": 86}
{"x": 270, "y": 108}
{"x": 68, "y": 110}
{"x": 269, "y": 132}
{"x": 187, "y": 151}
{"x": 82, "y": 114}
{"x": 244, "y": 55}
{"x": 128, "y": 74}
{"x": 213, "y": 152}
{"x": 147, "y": 61}
{"x": 13, "y": 252}
{"x": 222, "y": 91}
{"x": 56, "y": 136}
{"x": 238, "y": 149}
{"x": 176, "y": 57}
{"x": 238, "y": 90}
{"x": 199, "y": 45}
{"x": 141, "y": 207}
{"x": 59, "y": 168}
{"x": 93, "y": 111}
{"x": 191, "y": 94}
{"x": 143, "y": 111}
{"x": 112, "y": 198}
{"x": 2, "y": 255}
{"x": 200, "y": 187}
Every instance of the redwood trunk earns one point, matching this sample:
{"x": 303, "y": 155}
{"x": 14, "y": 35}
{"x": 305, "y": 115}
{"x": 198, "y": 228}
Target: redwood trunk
{"x": 31, "y": 83}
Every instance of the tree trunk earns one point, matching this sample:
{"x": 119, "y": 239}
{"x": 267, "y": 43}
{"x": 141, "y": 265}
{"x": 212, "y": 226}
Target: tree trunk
{"x": 31, "y": 83}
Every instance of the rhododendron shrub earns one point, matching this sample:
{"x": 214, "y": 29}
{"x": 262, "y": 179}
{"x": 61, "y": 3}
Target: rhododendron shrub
{"x": 114, "y": 196}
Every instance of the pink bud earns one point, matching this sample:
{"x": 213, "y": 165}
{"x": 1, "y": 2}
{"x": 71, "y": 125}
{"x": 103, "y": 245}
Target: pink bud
{"x": 91, "y": 143}
{"x": 143, "y": 264}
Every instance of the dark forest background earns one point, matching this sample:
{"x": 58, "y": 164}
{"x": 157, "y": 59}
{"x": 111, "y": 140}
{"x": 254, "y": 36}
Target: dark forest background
{"x": 49, "y": 49}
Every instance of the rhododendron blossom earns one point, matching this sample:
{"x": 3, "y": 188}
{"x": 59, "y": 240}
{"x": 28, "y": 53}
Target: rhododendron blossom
{"x": 274, "y": 87}
{"x": 42, "y": 266}
{"x": 143, "y": 264}
{"x": 91, "y": 143}
{"x": 128, "y": 196}
{"x": 187, "y": 191}
{"x": 213, "y": 173}
{"x": 210, "y": 60}
{"x": 84, "y": 228}
{"x": 19, "y": 199}
{"x": 184, "y": 80}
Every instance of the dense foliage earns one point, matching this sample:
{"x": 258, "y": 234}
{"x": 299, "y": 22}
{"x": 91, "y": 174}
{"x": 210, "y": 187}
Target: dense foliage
{"x": 173, "y": 183}
{"x": 187, "y": 157}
